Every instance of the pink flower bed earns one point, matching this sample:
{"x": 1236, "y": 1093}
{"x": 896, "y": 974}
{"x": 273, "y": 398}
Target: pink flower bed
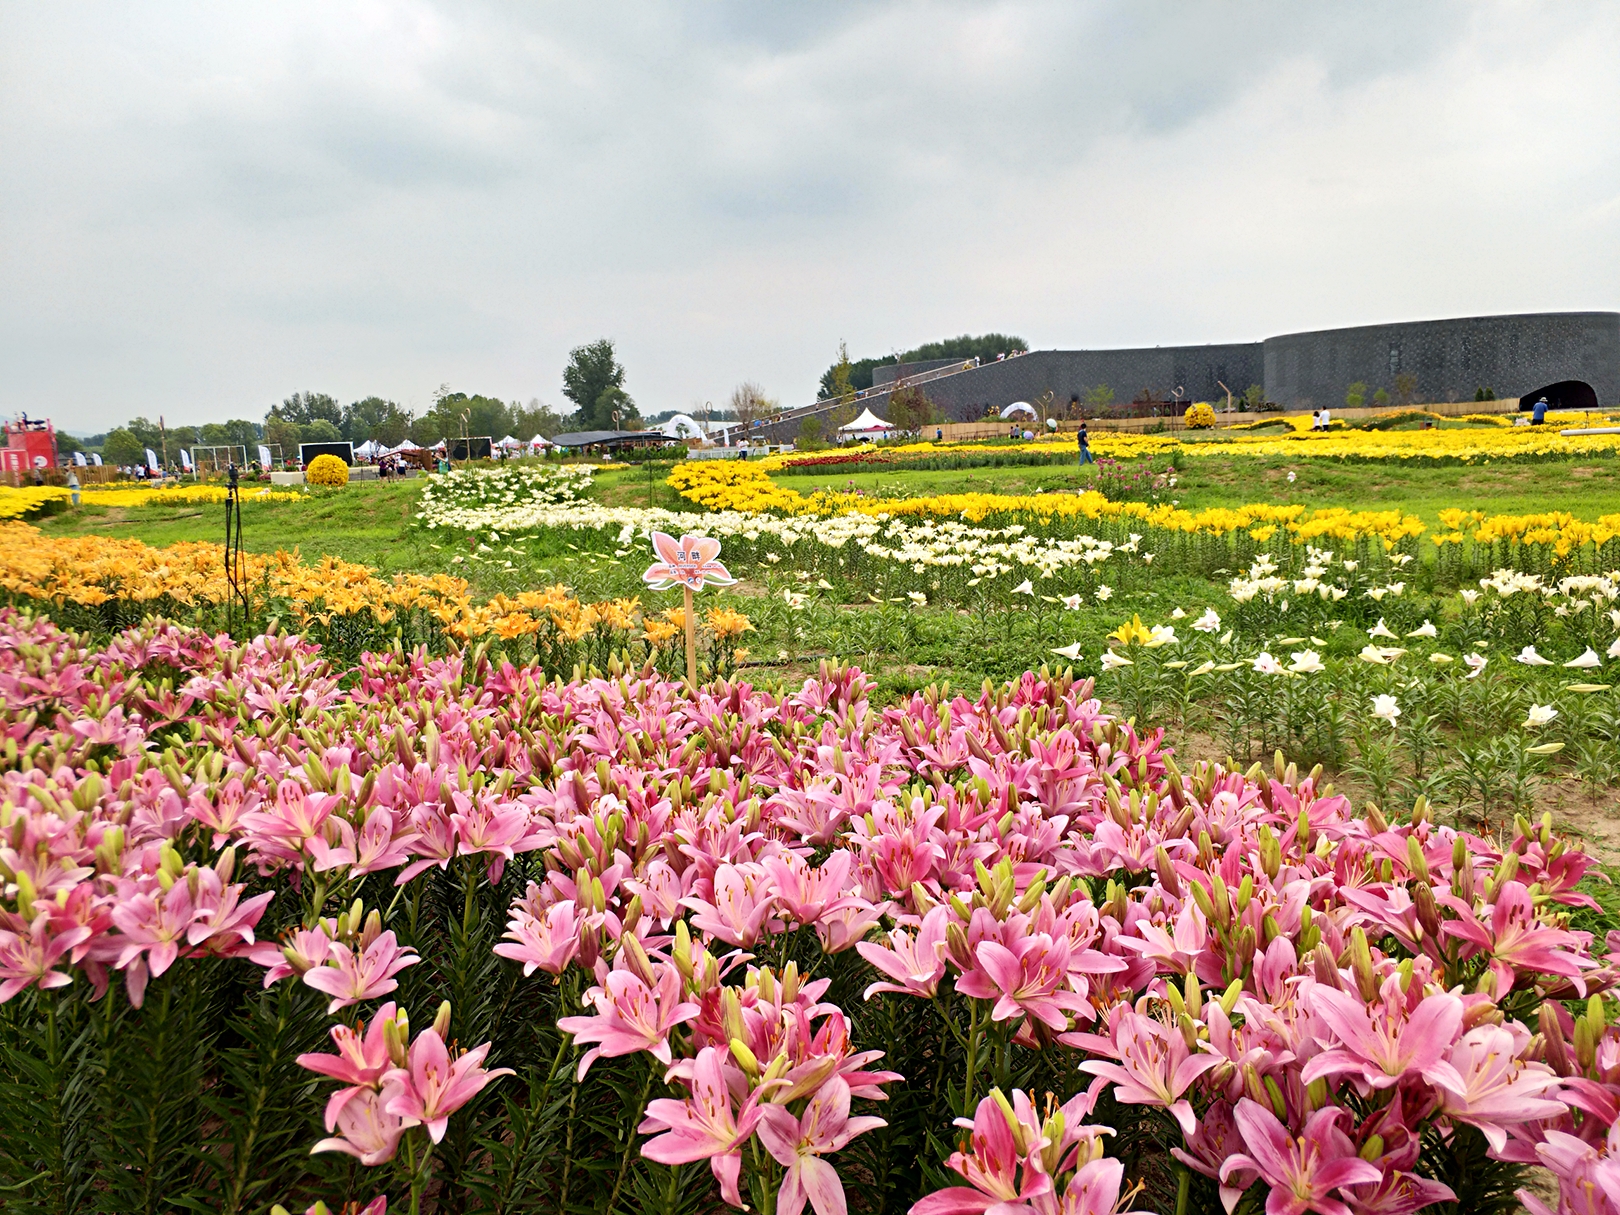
{"x": 1036, "y": 927}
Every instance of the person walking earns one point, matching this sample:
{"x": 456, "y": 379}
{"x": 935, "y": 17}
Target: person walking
{"x": 1538, "y": 414}
{"x": 1085, "y": 445}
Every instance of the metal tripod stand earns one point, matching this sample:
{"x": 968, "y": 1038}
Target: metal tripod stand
{"x": 235, "y": 563}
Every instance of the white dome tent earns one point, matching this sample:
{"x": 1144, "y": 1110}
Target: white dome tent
{"x": 866, "y": 425}
{"x": 1023, "y": 407}
{"x": 682, "y": 426}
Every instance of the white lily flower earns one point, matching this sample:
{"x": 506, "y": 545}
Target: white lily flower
{"x": 1071, "y": 652}
{"x": 1178, "y": 614}
{"x": 1163, "y": 634}
{"x": 1441, "y": 660}
{"x": 1371, "y": 653}
{"x": 1586, "y": 661}
{"x": 1104, "y": 594}
{"x": 1386, "y": 708}
{"x": 1426, "y": 629}
{"x": 1026, "y": 587}
{"x": 1476, "y": 663}
{"x": 1381, "y": 630}
{"x": 1266, "y": 664}
{"x": 1539, "y": 716}
{"x": 1306, "y": 662}
{"x": 1208, "y": 622}
{"x": 1112, "y": 660}
{"x": 1530, "y": 658}
{"x": 1072, "y": 602}
{"x": 1614, "y": 648}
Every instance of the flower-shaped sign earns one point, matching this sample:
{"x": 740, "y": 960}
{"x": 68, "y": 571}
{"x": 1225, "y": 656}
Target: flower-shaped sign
{"x": 688, "y": 562}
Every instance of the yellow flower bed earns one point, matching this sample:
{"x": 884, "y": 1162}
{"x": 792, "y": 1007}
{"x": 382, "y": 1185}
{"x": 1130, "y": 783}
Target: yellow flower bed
{"x": 746, "y": 487}
{"x": 21, "y": 503}
{"x": 91, "y": 570}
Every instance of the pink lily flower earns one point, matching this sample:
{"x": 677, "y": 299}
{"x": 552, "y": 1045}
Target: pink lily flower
{"x": 848, "y": 925}
{"x": 433, "y": 1086}
{"x": 366, "y": 1130}
{"x": 1030, "y": 978}
{"x": 741, "y": 908}
{"x": 997, "y": 1172}
{"x": 807, "y": 894}
{"x": 917, "y": 964}
{"x": 375, "y": 847}
{"x": 689, "y": 562}
{"x": 1155, "y": 1065}
{"x": 361, "y": 1061}
{"x": 547, "y": 942}
{"x": 1382, "y": 1045}
{"x": 1303, "y": 1173}
{"x": 631, "y": 1017}
{"x": 703, "y": 1127}
{"x": 1093, "y": 1190}
{"x": 1518, "y": 941}
{"x": 799, "y": 1144}
{"x": 28, "y": 958}
{"x": 1482, "y": 1082}
{"x": 349, "y": 978}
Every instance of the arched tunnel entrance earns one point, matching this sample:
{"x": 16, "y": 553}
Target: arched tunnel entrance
{"x": 1566, "y": 394}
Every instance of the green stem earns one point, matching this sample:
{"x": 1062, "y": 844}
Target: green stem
{"x": 1183, "y": 1188}
{"x": 56, "y": 1169}
{"x": 630, "y": 1140}
{"x": 972, "y": 1060}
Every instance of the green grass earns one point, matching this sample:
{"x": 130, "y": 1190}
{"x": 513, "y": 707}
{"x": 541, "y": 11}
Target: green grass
{"x": 1586, "y": 488}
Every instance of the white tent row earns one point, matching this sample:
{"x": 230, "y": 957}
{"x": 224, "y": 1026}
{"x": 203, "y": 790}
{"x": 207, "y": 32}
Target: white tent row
{"x": 509, "y": 443}
{"x": 369, "y": 450}
{"x": 406, "y": 445}
{"x": 867, "y": 424}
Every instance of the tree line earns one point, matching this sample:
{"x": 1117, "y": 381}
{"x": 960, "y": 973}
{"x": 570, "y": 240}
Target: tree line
{"x": 593, "y": 381}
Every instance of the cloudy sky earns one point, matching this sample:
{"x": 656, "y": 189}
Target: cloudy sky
{"x": 205, "y": 207}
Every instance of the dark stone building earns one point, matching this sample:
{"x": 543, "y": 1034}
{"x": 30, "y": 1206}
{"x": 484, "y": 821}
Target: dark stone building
{"x": 1514, "y": 356}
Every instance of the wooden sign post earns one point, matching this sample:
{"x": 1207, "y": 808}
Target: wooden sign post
{"x": 690, "y": 563}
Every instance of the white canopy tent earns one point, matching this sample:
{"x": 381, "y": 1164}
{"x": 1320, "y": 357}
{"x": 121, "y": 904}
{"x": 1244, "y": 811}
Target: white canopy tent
{"x": 541, "y": 441}
{"x": 369, "y": 450}
{"x": 867, "y": 424}
{"x": 1023, "y": 407}
{"x": 510, "y": 443}
{"x": 405, "y": 445}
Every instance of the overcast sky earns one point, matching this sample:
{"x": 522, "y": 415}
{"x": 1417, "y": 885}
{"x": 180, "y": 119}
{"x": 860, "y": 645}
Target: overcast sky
{"x": 205, "y": 207}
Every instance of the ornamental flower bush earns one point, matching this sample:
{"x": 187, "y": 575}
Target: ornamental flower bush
{"x": 446, "y": 934}
{"x": 329, "y": 471}
{"x": 1199, "y": 416}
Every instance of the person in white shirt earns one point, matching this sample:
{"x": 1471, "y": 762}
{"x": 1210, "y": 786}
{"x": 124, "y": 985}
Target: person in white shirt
{"x": 1324, "y": 419}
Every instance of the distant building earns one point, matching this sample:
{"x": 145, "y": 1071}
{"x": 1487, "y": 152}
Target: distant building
{"x": 29, "y": 445}
{"x": 1571, "y": 357}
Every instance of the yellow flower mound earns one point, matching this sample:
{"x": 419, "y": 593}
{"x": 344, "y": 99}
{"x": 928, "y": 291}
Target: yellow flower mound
{"x": 91, "y": 570}
{"x": 1200, "y": 416}
{"x": 20, "y": 503}
{"x": 327, "y": 470}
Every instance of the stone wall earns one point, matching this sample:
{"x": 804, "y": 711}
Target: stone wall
{"x": 1450, "y": 359}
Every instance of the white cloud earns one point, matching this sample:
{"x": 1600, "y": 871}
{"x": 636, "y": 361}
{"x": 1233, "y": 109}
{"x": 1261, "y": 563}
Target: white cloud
{"x": 206, "y": 208}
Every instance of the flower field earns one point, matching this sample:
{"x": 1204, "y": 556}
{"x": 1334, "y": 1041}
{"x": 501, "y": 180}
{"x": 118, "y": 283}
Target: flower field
{"x": 453, "y": 936}
{"x": 1245, "y": 882}
{"x": 20, "y": 503}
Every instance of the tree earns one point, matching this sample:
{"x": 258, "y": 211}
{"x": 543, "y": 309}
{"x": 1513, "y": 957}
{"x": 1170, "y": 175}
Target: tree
{"x": 321, "y": 431}
{"x": 280, "y": 432}
{"x": 1099, "y": 397}
{"x": 1355, "y": 396}
{"x": 749, "y": 404}
{"x": 985, "y": 347}
{"x": 810, "y": 433}
{"x": 1381, "y": 397}
{"x": 910, "y": 409}
{"x": 1406, "y": 387}
{"x": 535, "y": 419}
{"x": 147, "y": 433}
{"x": 594, "y": 382}
{"x": 835, "y": 382}
{"x": 375, "y": 418}
{"x": 122, "y": 447}
{"x": 306, "y": 407}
